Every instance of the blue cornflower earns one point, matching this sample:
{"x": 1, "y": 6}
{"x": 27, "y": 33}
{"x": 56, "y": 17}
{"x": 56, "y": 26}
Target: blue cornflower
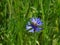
{"x": 33, "y": 25}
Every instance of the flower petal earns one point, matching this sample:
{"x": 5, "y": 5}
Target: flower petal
{"x": 32, "y": 30}
{"x": 33, "y": 20}
{"x": 28, "y": 27}
{"x": 37, "y": 19}
{"x": 39, "y": 23}
{"x": 38, "y": 29}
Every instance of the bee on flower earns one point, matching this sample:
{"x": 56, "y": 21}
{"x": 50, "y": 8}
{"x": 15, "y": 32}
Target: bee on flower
{"x": 33, "y": 25}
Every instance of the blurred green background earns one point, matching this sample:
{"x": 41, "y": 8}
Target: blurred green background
{"x": 14, "y": 15}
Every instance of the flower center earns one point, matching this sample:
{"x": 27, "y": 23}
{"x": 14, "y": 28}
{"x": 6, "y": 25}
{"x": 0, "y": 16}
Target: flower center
{"x": 34, "y": 26}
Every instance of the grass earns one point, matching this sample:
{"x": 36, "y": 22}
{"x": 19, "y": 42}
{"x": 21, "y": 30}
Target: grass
{"x": 14, "y": 15}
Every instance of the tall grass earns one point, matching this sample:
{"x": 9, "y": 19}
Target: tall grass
{"x": 14, "y": 15}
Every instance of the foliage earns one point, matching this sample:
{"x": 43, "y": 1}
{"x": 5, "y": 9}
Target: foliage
{"x": 14, "y": 15}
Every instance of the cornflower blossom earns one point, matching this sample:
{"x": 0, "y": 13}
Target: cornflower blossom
{"x": 33, "y": 25}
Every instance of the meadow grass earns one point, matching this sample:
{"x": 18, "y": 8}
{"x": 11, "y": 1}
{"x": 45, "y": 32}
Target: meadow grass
{"x": 14, "y": 15}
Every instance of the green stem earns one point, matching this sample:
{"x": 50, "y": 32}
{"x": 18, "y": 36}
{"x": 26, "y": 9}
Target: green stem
{"x": 43, "y": 16}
